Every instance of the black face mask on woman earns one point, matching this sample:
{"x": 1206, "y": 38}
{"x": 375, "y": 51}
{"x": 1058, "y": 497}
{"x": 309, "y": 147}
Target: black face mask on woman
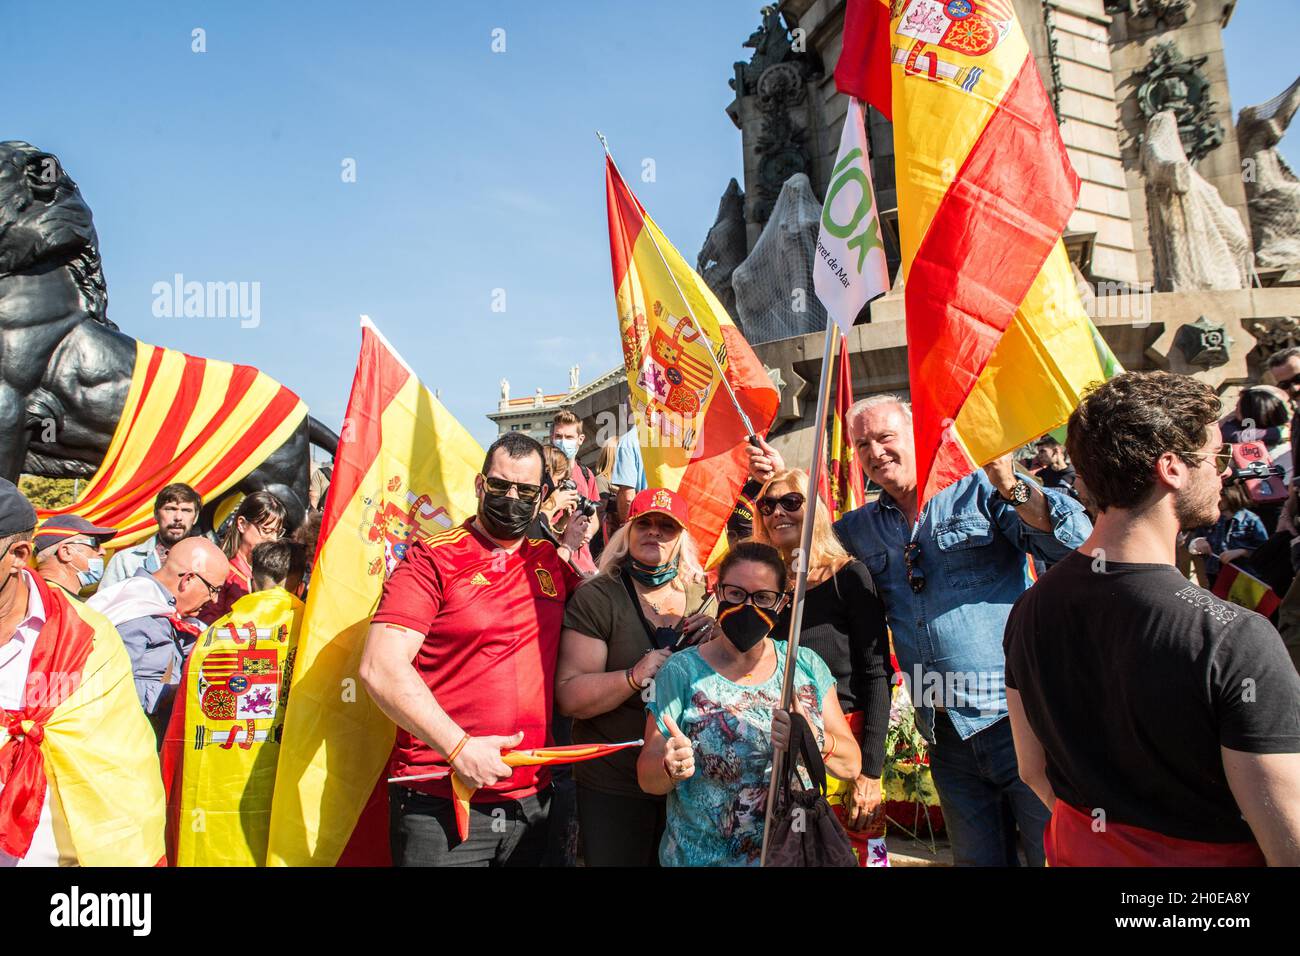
{"x": 745, "y": 625}
{"x": 505, "y": 518}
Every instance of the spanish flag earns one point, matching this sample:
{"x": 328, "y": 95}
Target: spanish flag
{"x": 538, "y": 756}
{"x": 193, "y": 420}
{"x": 1000, "y": 348}
{"x": 1243, "y": 589}
{"x": 222, "y": 748}
{"x": 81, "y": 734}
{"x": 404, "y": 467}
{"x": 846, "y": 491}
{"x": 692, "y": 438}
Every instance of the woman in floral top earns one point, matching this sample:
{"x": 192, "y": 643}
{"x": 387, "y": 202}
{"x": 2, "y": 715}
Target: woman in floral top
{"x": 713, "y": 720}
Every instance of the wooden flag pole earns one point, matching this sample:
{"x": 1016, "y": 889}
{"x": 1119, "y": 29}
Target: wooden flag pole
{"x": 801, "y": 564}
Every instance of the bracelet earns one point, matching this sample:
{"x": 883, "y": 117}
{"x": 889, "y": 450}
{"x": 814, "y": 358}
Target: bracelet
{"x": 457, "y": 749}
{"x": 827, "y": 754}
{"x": 632, "y": 681}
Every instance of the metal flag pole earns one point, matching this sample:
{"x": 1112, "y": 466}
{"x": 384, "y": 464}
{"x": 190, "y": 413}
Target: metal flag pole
{"x": 801, "y": 563}
{"x": 686, "y": 306}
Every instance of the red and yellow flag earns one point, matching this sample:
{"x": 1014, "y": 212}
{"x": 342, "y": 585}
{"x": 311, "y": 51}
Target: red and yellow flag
{"x": 194, "y": 420}
{"x": 692, "y": 439}
{"x": 1245, "y": 590}
{"x": 538, "y": 756}
{"x": 404, "y": 467}
{"x": 846, "y": 490}
{"x": 999, "y": 345}
{"x": 81, "y": 734}
{"x": 222, "y": 745}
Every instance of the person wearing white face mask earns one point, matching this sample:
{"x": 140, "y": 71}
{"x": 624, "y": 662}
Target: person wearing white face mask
{"x": 567, "y": 436}
{"x": 70, "y": 552}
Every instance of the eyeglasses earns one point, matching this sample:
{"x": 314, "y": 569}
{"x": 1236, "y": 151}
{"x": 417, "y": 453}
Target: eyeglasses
{"x": 1222, "y": 458}
{"x": 789, "y": 503}
{"x": 500, "y": 486}
{"x": 1289, "y": 382}
{"x": 212, "y": 591}
{"x": 911, "y": 560}
{"x": 767, "y": 600}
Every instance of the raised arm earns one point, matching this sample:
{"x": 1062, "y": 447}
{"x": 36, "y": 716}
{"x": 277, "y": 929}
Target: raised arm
{"x": 584, "y": 688}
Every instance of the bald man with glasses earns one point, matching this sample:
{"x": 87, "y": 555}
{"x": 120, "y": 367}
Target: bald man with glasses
{"x": 155, "y": 614}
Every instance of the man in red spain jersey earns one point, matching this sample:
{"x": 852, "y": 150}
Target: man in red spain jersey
{"x": 461, "y": 655}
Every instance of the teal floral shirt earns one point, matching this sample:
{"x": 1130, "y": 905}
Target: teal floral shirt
{"x": 715, "y": 818}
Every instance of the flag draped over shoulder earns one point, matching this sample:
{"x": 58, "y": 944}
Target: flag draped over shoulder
{"x": 82, "y": 732}
{"x": 692, "y": 439}
{"x": 404, "y": 467}
{"x": 193, "y": 420}
{"x": 999, "y": 346}
{"x": 223, "y": 741}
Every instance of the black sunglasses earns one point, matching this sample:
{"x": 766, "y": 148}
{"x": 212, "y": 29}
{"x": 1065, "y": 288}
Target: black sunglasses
{"x": 911, "y": 559}
{"x": 1288, "y": 382}
{"x": 500, "y": 486}
{"x": 789, "y": 503}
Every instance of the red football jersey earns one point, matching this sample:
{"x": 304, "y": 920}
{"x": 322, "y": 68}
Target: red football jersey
{"x": 491, "y": 620}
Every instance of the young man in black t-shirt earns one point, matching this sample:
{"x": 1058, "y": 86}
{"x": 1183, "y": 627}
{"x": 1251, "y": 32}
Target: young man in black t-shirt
{"x": 1161, "y": 724}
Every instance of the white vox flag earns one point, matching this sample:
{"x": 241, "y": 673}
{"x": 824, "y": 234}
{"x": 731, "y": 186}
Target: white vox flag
{"x": 850, "y": 268}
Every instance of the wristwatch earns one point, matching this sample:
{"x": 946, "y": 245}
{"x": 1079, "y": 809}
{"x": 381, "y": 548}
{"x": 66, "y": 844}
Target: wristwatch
{"x": 1019, "y": 494}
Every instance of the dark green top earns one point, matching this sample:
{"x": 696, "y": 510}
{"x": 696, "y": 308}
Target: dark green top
{"x": 601, "y": 608}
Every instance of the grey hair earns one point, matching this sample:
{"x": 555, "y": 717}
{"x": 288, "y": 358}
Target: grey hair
{"x": 1282, "y": 357}
{"x": 875, "y": 401}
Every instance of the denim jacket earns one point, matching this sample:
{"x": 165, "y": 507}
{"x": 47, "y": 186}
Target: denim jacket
{"x": 973, "y": 549}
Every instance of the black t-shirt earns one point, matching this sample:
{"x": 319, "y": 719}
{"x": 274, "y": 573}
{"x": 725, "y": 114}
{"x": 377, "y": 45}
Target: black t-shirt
{"x": 844, "y": 624}
{"x": 1132, "y": 678}
{"x": 1057, "y": 477}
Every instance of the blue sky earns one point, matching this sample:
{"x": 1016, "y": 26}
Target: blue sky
{"x": 475, "y": 170}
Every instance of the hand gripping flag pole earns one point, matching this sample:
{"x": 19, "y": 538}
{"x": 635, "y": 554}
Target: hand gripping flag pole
{"x": 801, "y": 565}
{"x": 573, "y": 753}
{"x": 686, "y": 307}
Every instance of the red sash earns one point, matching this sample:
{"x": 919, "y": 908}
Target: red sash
{"x": 1070, "y": 840}
{"x": 60, "y": 653}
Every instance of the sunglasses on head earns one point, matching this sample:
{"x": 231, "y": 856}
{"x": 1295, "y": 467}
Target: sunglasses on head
{"x": 789, "y": 503}
{"x": 500, "y": 486}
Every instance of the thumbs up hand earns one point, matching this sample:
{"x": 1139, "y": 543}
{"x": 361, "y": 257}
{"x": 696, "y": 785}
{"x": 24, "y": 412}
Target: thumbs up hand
{"x": 679, "y": 755}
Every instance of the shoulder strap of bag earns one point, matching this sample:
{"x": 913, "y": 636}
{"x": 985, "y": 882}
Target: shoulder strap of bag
{"x": 640, "y": 611}
{"x": 804, "y": 742}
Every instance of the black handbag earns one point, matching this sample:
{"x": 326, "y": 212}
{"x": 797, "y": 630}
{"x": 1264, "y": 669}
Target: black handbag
{"x": 805, "y": 831}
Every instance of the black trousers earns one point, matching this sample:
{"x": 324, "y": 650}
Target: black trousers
{"x": 422, "y": 830}
{"x": 619, "y": 831}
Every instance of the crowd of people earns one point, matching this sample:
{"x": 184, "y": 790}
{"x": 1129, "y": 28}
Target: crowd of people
{"x": 1084, "y": 701}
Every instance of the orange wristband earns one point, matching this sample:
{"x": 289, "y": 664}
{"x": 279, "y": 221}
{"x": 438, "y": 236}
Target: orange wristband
{"x": 827, "y": 754}
{"x": 457, "y": 749}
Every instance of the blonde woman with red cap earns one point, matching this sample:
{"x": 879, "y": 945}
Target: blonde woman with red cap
{"x": 619, "y": 628}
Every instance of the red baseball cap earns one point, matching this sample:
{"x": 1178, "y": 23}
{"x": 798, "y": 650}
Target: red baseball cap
{"x": 661, "y": 501}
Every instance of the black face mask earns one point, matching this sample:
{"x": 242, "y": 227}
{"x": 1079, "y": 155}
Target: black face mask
{"x": 744, "y": 625}
{"x": 505, "y": 518}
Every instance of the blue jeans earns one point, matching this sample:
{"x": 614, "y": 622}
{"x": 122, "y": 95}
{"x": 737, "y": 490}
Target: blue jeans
{"x": 983, "y": 798}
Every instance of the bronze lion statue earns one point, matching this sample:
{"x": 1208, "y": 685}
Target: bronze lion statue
{"x": 65, "y": 369}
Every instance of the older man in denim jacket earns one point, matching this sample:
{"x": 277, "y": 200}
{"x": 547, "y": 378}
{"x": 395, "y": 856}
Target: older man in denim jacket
{"x": 948, "y": 582}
